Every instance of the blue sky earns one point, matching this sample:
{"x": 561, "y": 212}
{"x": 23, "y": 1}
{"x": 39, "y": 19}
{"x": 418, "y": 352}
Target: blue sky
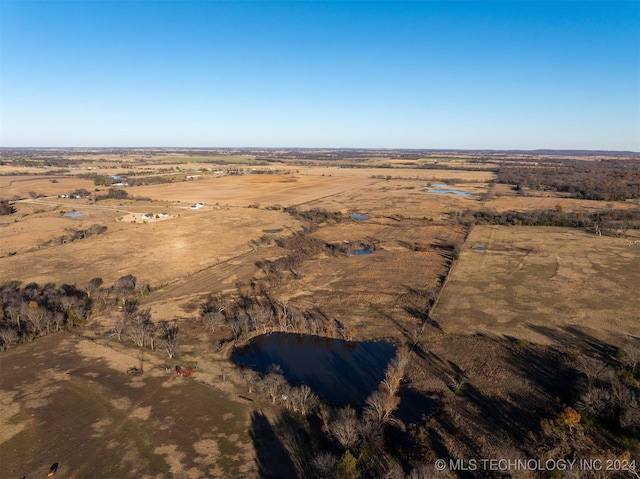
{"x": 490, "y": 75}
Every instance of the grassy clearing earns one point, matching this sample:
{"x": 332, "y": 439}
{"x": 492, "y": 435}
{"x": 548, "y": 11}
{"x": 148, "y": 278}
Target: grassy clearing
{"x": 525, "y": 282}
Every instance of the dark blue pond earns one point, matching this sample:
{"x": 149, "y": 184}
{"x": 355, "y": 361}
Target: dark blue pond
{"x": 341, "y": 372}
{"x": 356, "y": 216}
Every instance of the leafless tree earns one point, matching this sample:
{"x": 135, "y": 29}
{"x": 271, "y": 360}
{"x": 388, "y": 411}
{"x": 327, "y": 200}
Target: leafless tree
{"x": 273, "y": 384}
{"x": 138, "y": 330}
{"x": 92, "y": 285}
{"x": 8, "y": 337}
{"x": 213, "y": 312}
{"x": 324, "y": 465}
{"x": 169, "y": 337}
{"x": 303, "y": 399}
{"x": 591, "y": 367}
{"x": 631, "y": 352}
{"x": 380, "y": 407}
{"x": 595, "y": 400}
{"x": 250, "y": 378}
{"x": 345, "y": 427}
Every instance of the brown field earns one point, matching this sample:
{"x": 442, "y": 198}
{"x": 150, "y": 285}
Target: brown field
{"x": 534, "y": 283}
{"x": 67, "y": 400}
{"x": 245, "y": 190}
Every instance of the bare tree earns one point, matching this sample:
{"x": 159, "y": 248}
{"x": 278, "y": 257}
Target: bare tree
{"x": 380, "y": 407}
{"x": 92, "y": 285}
{"x": 212, "y": 312}
{"x": 303, "y": 399}
{"x": 324, "y": 465}
{"x": 8, "y": 337}
{"x": 273, "y": 384}
{"x": 345, "y": 427}
{"x": 250, "y": 378}
{"x": 631, "y": 352}
{"x": 138, "y": 330}
{"x": 169, "y": 337}
{"x": 591, "y": 367}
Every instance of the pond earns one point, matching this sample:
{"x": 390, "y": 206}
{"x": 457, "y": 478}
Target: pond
{"x": 73, "y": 214}
{"x": 359, "y": 252}
{"x": 357, "y": 216}
{"x": 443, "y": 191}
{"x": 341, "y": 372}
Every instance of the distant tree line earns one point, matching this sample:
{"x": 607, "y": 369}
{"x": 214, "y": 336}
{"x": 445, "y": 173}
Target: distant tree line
{"x": 607, "y": 222}
{"x": 613, "y": 180}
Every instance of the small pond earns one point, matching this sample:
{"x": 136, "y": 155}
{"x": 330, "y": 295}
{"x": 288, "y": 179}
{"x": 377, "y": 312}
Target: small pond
{"x": 357, "y": 216}
{"x": 341, "y": 372}
{"x": 74, "y": 214}
{"x": 359, "y": 252}
{"x": 443, "y": 191}
{"x": 273, "y": 231}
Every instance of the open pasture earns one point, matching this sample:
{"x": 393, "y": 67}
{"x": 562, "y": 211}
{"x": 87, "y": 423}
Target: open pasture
{"x": 68, "y": 400}
{"x": 534, "y": 283}
{"x": 403, "y": 198}
{"x": 245, "y": 190}
{"x": 158, "y": 252}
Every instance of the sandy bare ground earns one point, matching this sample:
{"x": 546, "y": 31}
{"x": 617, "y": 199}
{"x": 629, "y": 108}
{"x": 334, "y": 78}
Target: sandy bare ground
{"x": 536, "y": 283}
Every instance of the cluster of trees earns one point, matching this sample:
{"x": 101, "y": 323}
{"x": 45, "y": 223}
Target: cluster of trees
{"x": 608, "y": 395}
{"x": 253, "y": 311}
{"x": 611, "y": 222}
{"x": 349, "y": 442}
{"x": 317, "y": 215}
{"x": 591, "y": 180}
{"x": 604, "y": 414}
{"x": 31, "y": 311}
{"x": 273, "y": 385}
{"x": 118, "y": 194}
{"x": 135, "y": 325}
{"x": 300, "y": 245}
{"x": 72, "y": 234}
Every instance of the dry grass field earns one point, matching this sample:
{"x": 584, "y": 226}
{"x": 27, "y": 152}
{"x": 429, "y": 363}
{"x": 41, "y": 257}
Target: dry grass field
{"x": 537, "y": 283}
{"x": 67, "y": 400}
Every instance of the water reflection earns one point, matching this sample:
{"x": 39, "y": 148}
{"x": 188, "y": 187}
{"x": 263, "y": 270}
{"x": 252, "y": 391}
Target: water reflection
{"x": 341, "y": 372}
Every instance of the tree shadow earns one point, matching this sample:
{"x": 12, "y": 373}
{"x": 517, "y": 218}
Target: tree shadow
{"x": 571, "y": 337}
{"x": 272, "y": 458}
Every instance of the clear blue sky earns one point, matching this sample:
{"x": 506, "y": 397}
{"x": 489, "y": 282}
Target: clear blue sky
{"x": 497, "y": 75}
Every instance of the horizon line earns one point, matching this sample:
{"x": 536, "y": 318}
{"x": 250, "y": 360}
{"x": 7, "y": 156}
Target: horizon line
{"x": 508, "y": 150}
